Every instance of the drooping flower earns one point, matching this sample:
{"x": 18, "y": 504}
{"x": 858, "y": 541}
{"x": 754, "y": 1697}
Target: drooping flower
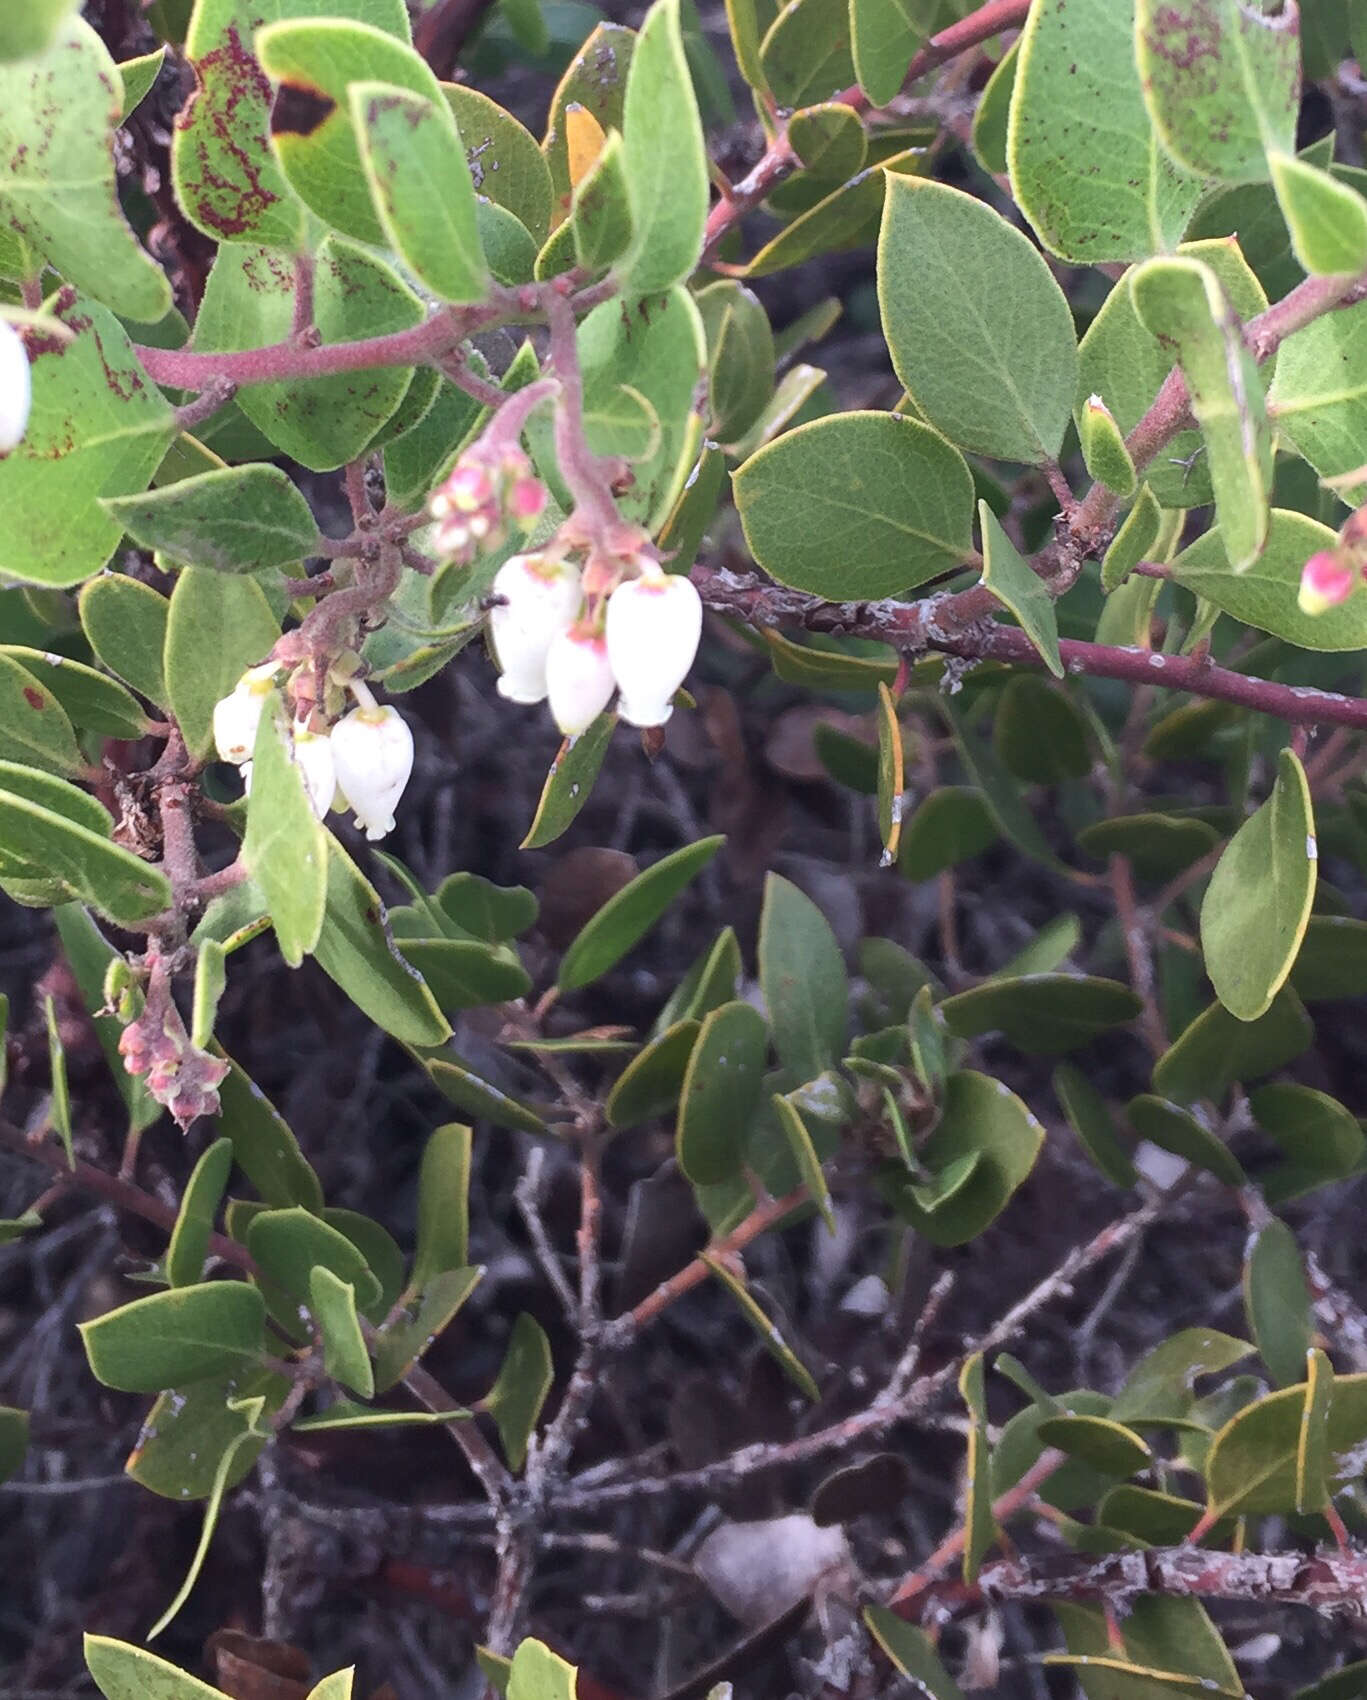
{"x": 579, "y": 681}
{"x": 541, "y": 597}
{"x": 1326, "y": 580}
{"x": 372, "y": 758}
{"x": 16, "y": 388}
{"x": 312, "y": 753}
{"x": 238, "y": 715}
{"x": 653, "y": 626}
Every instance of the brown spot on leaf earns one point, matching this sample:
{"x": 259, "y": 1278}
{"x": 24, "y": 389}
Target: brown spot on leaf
{"x": 35, "y": 698}
{"x": 299, "y": 110}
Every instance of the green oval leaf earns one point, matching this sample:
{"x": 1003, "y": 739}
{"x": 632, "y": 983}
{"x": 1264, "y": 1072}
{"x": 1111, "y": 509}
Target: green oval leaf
{"x": 177, "y": 1336}
{"x": 663, "y": 158}
{"x": 1042, "y": 1014}
{"x": 238, "y": 520}
{"x": 1277, "y": 1301}
{"x": 651, "y": 1082}
{"x": 626, "y": 917}
{"x": 802, "y": 975}
{"x": 721, "y": 1093}
{"x": 190, "y": 1237}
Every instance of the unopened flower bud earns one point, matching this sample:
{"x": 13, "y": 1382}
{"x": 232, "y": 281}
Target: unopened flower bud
{"x": 487, "y": 491}
{"x": 1326, "y": 580}
{"x": 312, "y": 752}
{"x": 372, "y": 757}
{"x": 16, "y": 388}
{"x": 541, "y": 598}
{"x": 237, "y": 716}
{"x": 653, "y": 626}
{"x": 579, "y": 680}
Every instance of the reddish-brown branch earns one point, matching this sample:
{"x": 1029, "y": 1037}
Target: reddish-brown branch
{"x": 1334, "y": 1583}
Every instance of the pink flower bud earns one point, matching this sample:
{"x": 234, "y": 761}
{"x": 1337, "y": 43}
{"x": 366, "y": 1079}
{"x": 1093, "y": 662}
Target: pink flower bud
{"x": 16, "y": 388}
{"x": 486, "y": 491}
{"x": 653, "y": 626}
{"x": 372, "y": 757}
{"x": 1326, "y": 580}
{"x": 579, "y": 680}
{"x": 541, "y": 598}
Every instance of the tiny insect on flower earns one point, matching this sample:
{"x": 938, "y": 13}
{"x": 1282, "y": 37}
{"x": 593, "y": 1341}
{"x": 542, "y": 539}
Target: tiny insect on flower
{"x": 16, "y": 388}
{"x": 237, "y": 716}
{"x": 541, "y": 597}
{"x": 579, "y": 681}
{"x": 653, "y": 626}
{"x": 1326, "y": 580}
{"x": 372, "y": 756}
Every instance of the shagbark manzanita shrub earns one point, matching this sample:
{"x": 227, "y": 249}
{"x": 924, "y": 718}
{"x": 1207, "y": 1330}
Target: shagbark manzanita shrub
{"x": 1104, "y": 541}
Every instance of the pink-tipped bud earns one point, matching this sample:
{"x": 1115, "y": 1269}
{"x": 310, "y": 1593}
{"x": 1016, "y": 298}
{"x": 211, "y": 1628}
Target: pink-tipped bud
{"x": 653, "y": 626}
{"x": 486, "y": 492}
{"x": 372, "y": 757}
{"x": 541, "y": 598}
{"x": 1326, "y": 580}
{"x": 579, "y": 680}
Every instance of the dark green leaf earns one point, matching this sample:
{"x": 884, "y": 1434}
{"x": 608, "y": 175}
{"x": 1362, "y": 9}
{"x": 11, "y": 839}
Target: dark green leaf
{"x": 626, "y": 917}
{"x": 180, "y": 1335}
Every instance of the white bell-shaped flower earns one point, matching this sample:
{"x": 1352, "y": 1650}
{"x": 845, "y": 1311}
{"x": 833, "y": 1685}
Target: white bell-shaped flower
{"x": 542, "y": 597}
{"x": 16, "y": 388}
{"x": 653, "y": 626}
{"x": 237, "y": 716}
{"x": 372, "y": 758}
{"x": 579, "y": 680}
{"x": 312, "y": 752}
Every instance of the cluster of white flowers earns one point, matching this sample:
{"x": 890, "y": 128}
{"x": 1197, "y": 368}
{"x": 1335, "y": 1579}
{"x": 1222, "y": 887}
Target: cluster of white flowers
{"x": 549, "y": 649}
{"x": 16, "y": 388}
{"x": 362, "y": 762}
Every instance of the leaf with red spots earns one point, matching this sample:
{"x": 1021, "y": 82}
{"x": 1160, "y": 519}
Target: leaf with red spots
{"x": 225, "y": 175}
{"x": 99, "y": 427}
{"x": 57, "y": 190}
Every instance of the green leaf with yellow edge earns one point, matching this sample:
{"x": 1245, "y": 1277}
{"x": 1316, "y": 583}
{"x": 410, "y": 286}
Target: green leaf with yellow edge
{"x": 1327, "y": 219}
{"x": 286, "y": 1245}
{"x": 595, "y": 81}
{"x": 337, "y": 1686}
{"x": 993, "y": 114}
{"x": 218, "y": 625}
{"x": 1181, "y": 302}
{"x": 1313, "y": 1462}
{"x": 1125, "y": 364}
{"x": 348, "y": 1415}
{"x": 506, "y": 163}
{"x": 1320, "y": 1137}
{"x": 628, "y": 915}
{"x": 313, "y": 130}
{"x": 1160, "y": 1388}
{"x": 516, "y": 1398}
{"x": 58, "y": 190}
{"x": 1042, "y": 1014}
{"x": 1217, "y": 1049}
{"x": 1333, "y": 959}
{"x": 400, "y": 1344}
{"x": 740, "y": 357}
{"x": 884, "y": 34}
{"x": 1157, "y": 1519}
{"x": 211, "y": 979}
{"x": 122, "y": 1672}
{"x": 805, "y": 1155}
{"x": 98, "y": 427}
{"x": 1175, "y": 1129}
{"x": 829, "y": 140}
{"x": 125, "y": 624}
{"x": 720, "y": 1093}
{"x": 1224, "y": 121}
{"x": 468, "y": 1091}
{"x": 651, "y": 1082}
{"x": 602, "y": 221}
{"x": 181, "y": 1335}
{"x": 333, "y": 1304}
{"x": 1318, "y": 397}
{"x": 1102, "y": 1442}
{"x": 1089, "y": 1116}
{"x": 1277, "y": 1301}
{"x": 891, "y": 775}
{"x": 443, "y": 1203}
{"x": 420, "y": 186}
{"x": 664, "y": 160}
{"x": 34, "y": 728}
{"x": 92, "y": 701}
{"x": 980, "y": 333}
{"x": 1158, "y": 847}
{"x": 802, "y": 976}
{"x": 1088, "y": 170}
{"x": 238, "y": 520}
{"x": 249, "y": 302}
{"x": 137, "y": 77}
{"x": 1016, "y": 585}
{"x": 825, "y": 669}
{"x": 769, "y": 1336}
{"x": 979, "y": 1117}
{"x": 189, "y": 1243}
{"x": 1103, "y": 448}
{"x": 1251, "y": 1469}
{"x": 354, "y": 950}
{"x": 857, "y": 506}
{"x": 805, "y": 52}
{"x": 83, "y": 861}
{"x": 980, "y": 1528}
{"x": 264, "y": 1148}
{"x": 536, "y": 1673}
{"x": 1258, "y": 901}
{"x": 1265, "y": 595}
{"x": 1133, "y": 542}
{"x": 846, "y": 217}
{"x": 911, "y": 1650}
{"x": 285, "y": 847}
